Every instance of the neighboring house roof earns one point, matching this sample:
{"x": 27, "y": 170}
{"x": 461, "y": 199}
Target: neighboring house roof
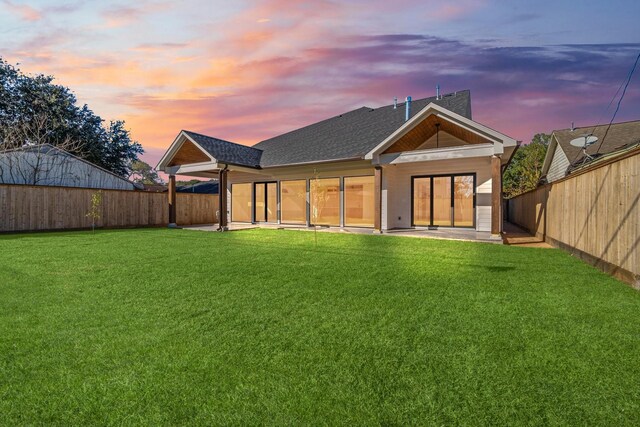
{"x": 206, "y": 187}
{"x": 347, "y": 136}
{"x": 350, "y": 135}
{"x": 154, "y": 188}
{"x": 620, "y": 136}
{"x": 226, "y": 151}
{"x": 67, "y": 177}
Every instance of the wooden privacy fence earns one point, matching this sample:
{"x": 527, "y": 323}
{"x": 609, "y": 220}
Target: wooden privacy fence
{"x": 594, "y": 214}
{"x": 32, "y": 208}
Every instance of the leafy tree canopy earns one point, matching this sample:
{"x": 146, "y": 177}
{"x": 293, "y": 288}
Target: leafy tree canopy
{"x": 25, "y": 99}
{"x": 524, "y": 170}
{"x": 143, "y": 173}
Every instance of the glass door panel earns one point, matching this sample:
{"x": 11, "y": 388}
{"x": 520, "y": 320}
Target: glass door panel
{"x": 272, "y": 202}
{"x": 422, "y": 201}
{"x": 261, "y": 201}
{"x": 325, "y": 201}
{"x": 442, "y": 201}
{"x": 266, "y": 201}
{"x": 293, "y": 202}
{"x": 359, "y": 204}
{"x": 463, "y": 201}
{"x": 241, "y": 202}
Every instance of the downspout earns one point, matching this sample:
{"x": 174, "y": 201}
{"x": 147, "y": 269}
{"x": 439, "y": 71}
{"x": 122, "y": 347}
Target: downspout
{"x": 222, "y": 185}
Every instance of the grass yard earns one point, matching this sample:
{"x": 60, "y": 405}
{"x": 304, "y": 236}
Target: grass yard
{"x": 174, "y": 327}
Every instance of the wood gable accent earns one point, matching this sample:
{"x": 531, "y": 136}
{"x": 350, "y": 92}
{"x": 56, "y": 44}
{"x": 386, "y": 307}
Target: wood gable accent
{"x": 187, "y": 154}
{"x": 427, "y": 128}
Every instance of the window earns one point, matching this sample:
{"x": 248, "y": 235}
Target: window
{"x": 325, "y": 201}
{"x": 241, "y": 205}
{"x": 293, "y": 202}
{"x": 359, "y": 202}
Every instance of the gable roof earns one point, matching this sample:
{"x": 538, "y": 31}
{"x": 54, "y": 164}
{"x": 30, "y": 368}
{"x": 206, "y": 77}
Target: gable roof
{"x": 620, "y": 136}
{"x": 350, "y": 135}
{"x": 226, "y": 151}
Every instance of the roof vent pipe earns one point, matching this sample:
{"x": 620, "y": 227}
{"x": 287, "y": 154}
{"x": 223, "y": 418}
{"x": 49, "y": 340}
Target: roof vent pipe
{"x": 407, "y": 108}
{"x": 395, "y": 102}
{"x": 572, "y": 127}
{"x": 438, "y": 91}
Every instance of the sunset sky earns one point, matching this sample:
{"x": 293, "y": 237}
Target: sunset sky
{"x": 246, "y": 71}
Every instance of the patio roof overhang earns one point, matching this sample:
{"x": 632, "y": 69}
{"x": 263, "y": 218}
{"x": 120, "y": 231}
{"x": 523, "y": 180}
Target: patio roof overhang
{"x": 482, "y": 140}
{"x": 186, "y": 157}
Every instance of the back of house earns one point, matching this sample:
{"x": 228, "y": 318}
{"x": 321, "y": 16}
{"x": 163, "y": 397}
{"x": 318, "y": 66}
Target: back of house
{"x": 416, "y": 164}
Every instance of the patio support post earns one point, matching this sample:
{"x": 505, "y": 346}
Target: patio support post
{"x": 496, "y": 196}
{"x": 222, "y": 199}
{"x": 377, "y": 200}
{"x": 172, "y": 201}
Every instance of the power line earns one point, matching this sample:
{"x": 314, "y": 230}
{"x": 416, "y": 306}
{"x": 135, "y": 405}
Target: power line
{"x": 624, "y": 83}
{"x": 624, "y": 91}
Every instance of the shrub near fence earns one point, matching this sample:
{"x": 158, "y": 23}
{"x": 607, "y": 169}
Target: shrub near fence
{"x": 594, "y": 214}
{"x": 32, "y": 208}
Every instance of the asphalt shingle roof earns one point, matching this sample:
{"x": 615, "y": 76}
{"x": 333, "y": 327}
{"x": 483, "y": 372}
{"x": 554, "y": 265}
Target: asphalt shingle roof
{"x": 620, "y": 136}
{"x": 226, "y": 151}
{"x": 348, "y": 136}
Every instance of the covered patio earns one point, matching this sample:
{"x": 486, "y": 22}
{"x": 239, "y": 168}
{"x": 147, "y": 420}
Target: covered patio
{"x": 441, "y": 233}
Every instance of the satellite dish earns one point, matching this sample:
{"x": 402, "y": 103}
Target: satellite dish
{"x": 583, "y": 141}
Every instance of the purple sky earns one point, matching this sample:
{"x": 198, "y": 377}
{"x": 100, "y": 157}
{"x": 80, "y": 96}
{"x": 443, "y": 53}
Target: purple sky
{"x": 246, "y": 71}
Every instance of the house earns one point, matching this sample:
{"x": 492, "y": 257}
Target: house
{"x": 562, "y": 157}
{"x": 204, "y": 187}
{"x": 419, "y": 164}
{"x": 45, "y": 164}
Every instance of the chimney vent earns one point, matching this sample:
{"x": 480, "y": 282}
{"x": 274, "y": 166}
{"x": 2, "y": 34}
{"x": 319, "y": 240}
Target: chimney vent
{"x": 395, "y": 102}
{"x": 572, "y": 127}
{"x": 438, "y": 91}
{"x": 407, "y": 108}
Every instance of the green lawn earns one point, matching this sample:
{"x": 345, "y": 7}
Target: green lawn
{"x": 173, "y": 327}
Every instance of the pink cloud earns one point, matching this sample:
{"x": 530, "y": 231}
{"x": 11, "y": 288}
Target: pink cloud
{"x": 25, "y": 11}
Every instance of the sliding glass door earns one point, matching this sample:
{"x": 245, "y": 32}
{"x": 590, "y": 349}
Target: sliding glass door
{"x": 266, "y": 201}
{"x": 443, "y": 200}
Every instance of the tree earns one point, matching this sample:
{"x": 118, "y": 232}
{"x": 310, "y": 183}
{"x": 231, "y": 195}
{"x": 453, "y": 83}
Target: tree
{"x": 27, "y": 158}
{"x": 26, "y": 99}
{"x": 319, "y": 197}
{"x": 143, "y": 173}
{"x": 95, "y": 210}
{"x": 523, "y": 173}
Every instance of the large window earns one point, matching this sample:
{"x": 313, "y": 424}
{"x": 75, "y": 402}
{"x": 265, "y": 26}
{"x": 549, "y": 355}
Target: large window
{"x": 241, "y": 205}
{"x": 325, "y": 201}
{"x": 293, "y": 202}
{"x": 359, "y": 202}
{"x": 446, "y": 201}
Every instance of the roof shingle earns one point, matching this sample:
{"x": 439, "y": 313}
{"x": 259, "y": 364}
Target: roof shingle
{"x": 348, "y": 136}
{"x": 620, "y": 136}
